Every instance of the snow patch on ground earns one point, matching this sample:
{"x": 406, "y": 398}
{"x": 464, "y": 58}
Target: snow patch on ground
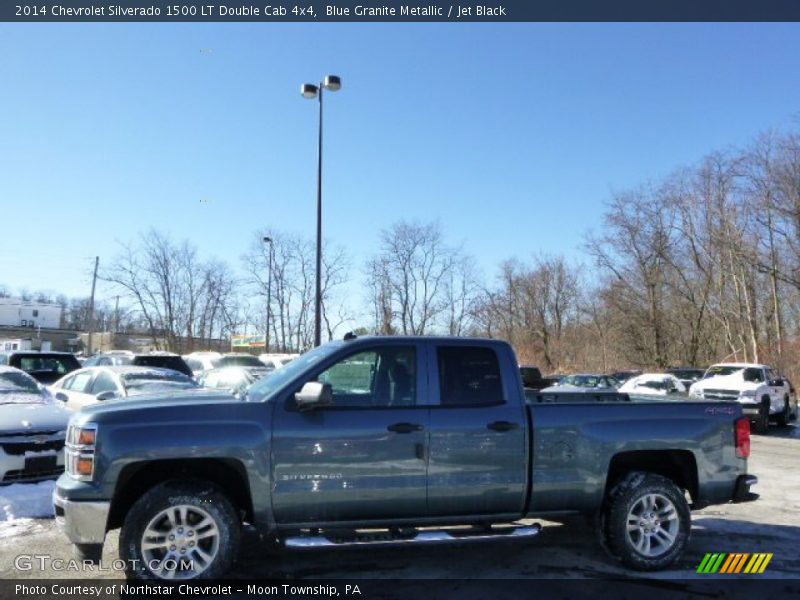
{"x": 26, "y": 501}
{"x": 18, "y": 527}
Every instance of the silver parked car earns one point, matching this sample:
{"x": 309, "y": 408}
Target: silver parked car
{"x": 95, "y": 384}
{"x": 33, "y": 429}
{"x": 233, "y": 379}
{"x": 584, "y": 382}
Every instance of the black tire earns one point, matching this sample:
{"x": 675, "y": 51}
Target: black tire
{"x": 600, "y": 523}
{"x": 664, "y": 545}
{"x": 89, "y": 552}
{"x": 786, "y": 414}
{"x": 761, "y": 424}
{"x": 202, "y": 500}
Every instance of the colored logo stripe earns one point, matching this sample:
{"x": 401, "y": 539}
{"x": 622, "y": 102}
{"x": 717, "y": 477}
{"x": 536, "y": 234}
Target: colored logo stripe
{"x": 711, "y": 563}
{"x": 758, "y": 563}
{"x": 715, "y": 562}
{"x": 734, "y": 563}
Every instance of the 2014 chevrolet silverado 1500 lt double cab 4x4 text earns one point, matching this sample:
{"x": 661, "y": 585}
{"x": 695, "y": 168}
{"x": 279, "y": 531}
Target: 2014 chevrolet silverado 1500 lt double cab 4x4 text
{"x": 390, "y": 440}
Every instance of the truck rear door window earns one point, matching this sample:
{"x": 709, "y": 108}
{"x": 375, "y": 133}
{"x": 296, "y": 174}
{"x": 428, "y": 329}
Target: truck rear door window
{"x": 469, "y": 376}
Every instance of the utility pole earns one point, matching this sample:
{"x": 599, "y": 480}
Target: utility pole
{"x": 91, "y": 303}
{"x": 268, "y": 240}
{"x": 116, "y": 316}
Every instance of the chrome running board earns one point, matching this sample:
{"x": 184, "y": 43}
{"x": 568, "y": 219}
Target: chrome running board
{"x": 420, "y": 537}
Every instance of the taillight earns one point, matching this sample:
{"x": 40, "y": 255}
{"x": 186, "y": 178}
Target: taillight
{"x": 743, "y": 438}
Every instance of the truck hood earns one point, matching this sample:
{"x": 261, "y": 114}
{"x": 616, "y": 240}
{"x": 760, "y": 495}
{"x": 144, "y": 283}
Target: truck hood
{"x": 181, "y": 400}
{"x": 34, "y": 416}
{"x": 734, "y": 381}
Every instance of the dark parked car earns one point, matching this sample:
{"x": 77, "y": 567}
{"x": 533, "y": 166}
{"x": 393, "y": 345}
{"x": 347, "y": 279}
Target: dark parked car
{"x": 687, "y": 375}
{"x": 239, "y": 360}
{"x": 44, "y": 367}
{"x": 162, "y": 361}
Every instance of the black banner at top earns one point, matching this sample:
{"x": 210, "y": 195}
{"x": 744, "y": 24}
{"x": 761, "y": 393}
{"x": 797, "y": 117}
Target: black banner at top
{"x": 396, "y": 11}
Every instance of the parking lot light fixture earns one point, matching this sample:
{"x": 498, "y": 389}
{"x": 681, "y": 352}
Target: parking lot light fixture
{"x": 332, "y": 83}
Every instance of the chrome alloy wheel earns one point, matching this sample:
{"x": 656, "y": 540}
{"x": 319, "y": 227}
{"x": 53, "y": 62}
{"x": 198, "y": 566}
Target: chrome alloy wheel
{"x": 180, "y": 542}
{"x": 653, "y": 525}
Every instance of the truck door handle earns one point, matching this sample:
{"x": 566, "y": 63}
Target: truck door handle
{"x": 404, "y": 427}
{"x": 502, "y": 426}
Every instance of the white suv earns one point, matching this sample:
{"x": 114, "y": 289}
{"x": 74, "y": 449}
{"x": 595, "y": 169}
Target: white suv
{"x": 761, "y": 392}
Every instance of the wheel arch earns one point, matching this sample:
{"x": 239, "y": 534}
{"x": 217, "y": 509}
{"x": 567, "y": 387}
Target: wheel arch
{"x": 135, "y": 479}
{"x": 679, "y": 466}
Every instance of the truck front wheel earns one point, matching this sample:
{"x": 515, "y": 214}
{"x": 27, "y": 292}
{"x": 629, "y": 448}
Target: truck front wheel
{"x": 180, "y": 530}
{"x": 647, "y": 522}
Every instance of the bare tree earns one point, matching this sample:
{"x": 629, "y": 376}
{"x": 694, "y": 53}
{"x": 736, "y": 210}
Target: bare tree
{"x": 178, "y": 296}
{"x": 413, "y": 277}
{"x": 292, "y": 287}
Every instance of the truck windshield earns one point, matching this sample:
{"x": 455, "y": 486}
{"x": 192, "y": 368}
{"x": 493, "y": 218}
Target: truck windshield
{"x": 721, "y": 370}
{"x": 264, "y": 388}
{"x": 19, "y": 387}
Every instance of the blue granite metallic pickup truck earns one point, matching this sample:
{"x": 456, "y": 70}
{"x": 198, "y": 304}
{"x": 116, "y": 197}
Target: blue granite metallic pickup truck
{"x": 391, "y": 440}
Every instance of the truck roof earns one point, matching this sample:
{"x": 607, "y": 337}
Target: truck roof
{"x": 424, "y": 338}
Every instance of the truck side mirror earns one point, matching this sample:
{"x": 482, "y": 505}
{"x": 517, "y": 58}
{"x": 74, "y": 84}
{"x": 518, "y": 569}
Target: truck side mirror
{"x": 314, "y": 394}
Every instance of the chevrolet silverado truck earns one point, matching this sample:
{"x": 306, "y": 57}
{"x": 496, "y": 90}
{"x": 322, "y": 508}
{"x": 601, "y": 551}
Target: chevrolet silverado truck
{"x": 762, "y": 393}
{"x": 390, "y": 440}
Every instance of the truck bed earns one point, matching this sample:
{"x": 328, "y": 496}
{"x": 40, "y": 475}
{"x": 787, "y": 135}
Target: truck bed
{"x": 576, "y": 443}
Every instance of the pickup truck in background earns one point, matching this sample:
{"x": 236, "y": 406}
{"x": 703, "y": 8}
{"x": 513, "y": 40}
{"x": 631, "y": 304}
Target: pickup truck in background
{"x": 762, "y": 393}
{"x": 532, "y": 378}
{"x": 390, "y": 440}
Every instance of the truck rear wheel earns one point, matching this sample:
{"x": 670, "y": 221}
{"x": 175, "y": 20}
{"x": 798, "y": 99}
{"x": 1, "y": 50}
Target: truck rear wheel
{"x": 180, "y": 530}
{"x": 786, "y": 415}
{"x": 762, "y": 421}
{"x": 647, "y": 522}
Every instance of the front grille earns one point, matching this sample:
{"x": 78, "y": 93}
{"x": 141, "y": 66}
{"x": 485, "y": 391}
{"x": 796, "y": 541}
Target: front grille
{"x": 20, "y": 448}
{"x": 721, "y": 394}
{"x": 23, "y": 475}
{"x": 16, "y": 435}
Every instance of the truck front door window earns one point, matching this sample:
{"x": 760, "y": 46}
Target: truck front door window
{"x": 378, "y": 378}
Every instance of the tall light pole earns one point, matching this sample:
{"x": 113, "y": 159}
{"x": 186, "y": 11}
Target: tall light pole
{"x": 268, "y": 240}
{"x": 310, "y": 91}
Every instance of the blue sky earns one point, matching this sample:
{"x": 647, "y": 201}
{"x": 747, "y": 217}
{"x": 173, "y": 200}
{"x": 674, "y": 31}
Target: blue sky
{"x": 512, "y": 135}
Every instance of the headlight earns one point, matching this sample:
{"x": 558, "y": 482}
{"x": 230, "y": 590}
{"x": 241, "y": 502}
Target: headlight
{"x": 79, "y": 451}
{"x": 747, "y": 394}
{"x": 695, "y": 393}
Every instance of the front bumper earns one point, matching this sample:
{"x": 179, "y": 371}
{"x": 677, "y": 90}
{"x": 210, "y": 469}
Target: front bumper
{"x": 742, "y": 493}
{"x": 81, "y": 522}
